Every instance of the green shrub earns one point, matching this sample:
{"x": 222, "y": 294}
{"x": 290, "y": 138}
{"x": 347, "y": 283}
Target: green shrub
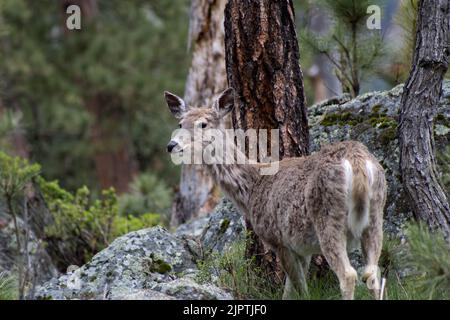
{"x": 428, "y": 258}
{"x": 147, "y": 194}
{"x": 82, "y": 227}
{"x": 123, "y": 225}
{"x": 238, "y": 274}
{"x": 15, "y": 173}
{"x": 8, "y": 287}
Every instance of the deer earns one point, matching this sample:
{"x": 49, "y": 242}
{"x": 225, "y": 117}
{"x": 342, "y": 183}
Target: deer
{"x": 325, "y": 203}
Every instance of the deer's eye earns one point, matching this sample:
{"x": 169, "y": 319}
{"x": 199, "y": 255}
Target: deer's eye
{"x": 179, "y": 126}
{"x": 204, "y": 125}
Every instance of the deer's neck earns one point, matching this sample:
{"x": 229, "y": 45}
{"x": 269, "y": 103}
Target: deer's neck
{"x": 236, "y": 181}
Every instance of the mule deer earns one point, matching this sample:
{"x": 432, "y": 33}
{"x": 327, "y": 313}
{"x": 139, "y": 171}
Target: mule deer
{"x": 322, "y": 203}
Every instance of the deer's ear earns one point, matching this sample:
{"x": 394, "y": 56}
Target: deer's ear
{"x": 176, "y": 105}
{"x": 225, "y": 102}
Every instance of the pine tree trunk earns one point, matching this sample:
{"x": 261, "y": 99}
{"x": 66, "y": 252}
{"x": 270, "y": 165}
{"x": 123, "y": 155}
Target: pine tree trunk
{"x": 324, "y": 82}
{"x": 421, "y": 95}
{"x": 115, "y": 165}
{"x": 262, "y": 58}
{"x": 198, "y": 194}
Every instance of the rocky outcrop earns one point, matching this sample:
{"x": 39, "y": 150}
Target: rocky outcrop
{"x": 146, "y": 264}
{"x": 216, "y": 232}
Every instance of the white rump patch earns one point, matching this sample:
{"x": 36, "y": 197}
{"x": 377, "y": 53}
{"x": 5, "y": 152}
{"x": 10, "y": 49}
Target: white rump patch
{"x": 356, "y": 222}
{"x": 349, "y": 186}
{"x": 370, "y": 169}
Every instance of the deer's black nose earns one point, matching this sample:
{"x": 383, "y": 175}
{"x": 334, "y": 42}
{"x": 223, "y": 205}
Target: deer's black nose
{"x": 171, "y": 145}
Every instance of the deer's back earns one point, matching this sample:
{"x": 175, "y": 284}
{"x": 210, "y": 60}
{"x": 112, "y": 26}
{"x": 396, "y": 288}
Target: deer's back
{"x": 279, "y": 202}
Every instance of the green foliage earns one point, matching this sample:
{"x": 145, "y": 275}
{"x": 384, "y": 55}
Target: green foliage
{"x": 443, "y": 161}
{"x": 407, "y": 19}
{"x": 428, "y": 256}
{"x": 9, "y": 122}
{"x": 238, "y": 274}
{"x": 8, "y": 287}
{"x": 126, "y": 224}
{"x": 147, "y": 193}
{"x": 82, "y": 227}
{"x": 15, "y": 173}
{"x": 352, "y": 48}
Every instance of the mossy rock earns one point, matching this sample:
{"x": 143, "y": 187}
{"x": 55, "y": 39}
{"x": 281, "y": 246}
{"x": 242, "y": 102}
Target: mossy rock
{"x": 224, "y": 225}
{"x": 156, "y": 264}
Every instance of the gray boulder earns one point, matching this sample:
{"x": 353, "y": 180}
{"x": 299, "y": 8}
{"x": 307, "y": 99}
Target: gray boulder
{"x": 214, "y": 232}
{"x": 225, "y": 226}
{"x": 146, "y": 264}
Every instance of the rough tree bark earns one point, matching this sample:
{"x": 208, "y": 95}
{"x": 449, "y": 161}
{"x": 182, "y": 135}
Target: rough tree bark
{"x": 262, "y": 59}
{"x": 198, "y": 194}
{"x": 421, "y": 95}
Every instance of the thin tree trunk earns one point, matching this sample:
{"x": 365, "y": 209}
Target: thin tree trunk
{"x": 324, "y": 82}
{"x": 198, "y": 194}
{"x": 262, "y": 58}
{"x": 115, "y": 165}
{"x": 421, "y": 95}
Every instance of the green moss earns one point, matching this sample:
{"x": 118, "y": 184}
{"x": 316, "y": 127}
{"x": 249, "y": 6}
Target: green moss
{"x": 341, "y": 119}
{"x": 156, "y": 264}
{"x": 442, "y": 120}
{"x": 388, "y": 135}
{"x": 382, "y": 121}
{"x": 375, "y": 119}
{"x": 224, "y": 225}
{"x": 376, "y": 108}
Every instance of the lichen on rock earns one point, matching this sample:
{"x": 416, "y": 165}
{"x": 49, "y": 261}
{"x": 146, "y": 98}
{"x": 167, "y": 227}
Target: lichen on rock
{"x": 141, "y": 263}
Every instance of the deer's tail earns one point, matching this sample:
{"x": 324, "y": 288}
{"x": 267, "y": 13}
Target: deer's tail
{"x": 359, "y": 178}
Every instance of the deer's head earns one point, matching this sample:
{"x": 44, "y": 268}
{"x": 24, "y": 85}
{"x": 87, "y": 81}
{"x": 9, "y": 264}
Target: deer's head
{"x": 208, "y": 117}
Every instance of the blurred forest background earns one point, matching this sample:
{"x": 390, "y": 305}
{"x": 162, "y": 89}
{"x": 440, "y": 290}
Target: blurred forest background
{"x": 88, "y": 106}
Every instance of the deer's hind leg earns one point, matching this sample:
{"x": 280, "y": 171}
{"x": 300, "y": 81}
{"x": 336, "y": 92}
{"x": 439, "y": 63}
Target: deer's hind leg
{"x": 333, "y": 244}
{"x": 295, "y": 268}
{"x": 371, "y": 245}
